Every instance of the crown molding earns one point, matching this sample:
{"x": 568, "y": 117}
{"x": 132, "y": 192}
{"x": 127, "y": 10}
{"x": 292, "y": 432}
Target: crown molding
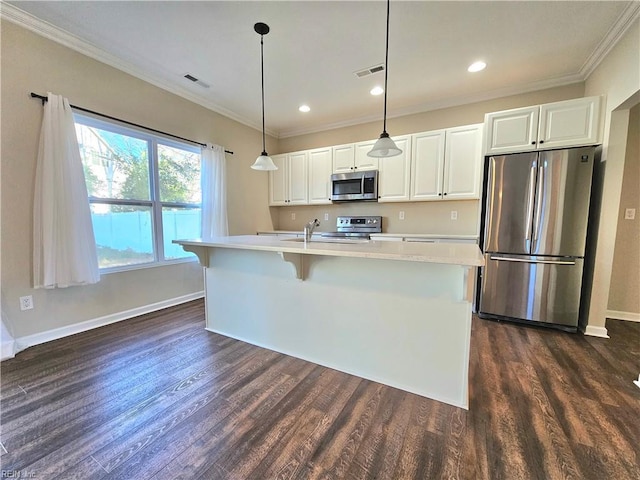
{"x": 613, "y": 36}
{"x": 25, "y": 20}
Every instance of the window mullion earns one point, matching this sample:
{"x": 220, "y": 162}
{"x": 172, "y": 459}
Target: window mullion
{"x": 154, "y": 166}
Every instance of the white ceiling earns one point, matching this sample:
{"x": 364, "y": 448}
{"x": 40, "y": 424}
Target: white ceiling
{"x": 314, "y": 48}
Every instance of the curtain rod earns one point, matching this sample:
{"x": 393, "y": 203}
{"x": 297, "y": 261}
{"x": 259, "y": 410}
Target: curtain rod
{"x": 45, "y": 99}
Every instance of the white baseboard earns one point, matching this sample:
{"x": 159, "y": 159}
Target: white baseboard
{"x": 36, "y": 339}
{"x": 629, "y": 316}
{"x": 7, "y": 350}
{"x": 596, "y": 331}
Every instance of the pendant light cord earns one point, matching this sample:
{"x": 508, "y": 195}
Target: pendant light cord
{"x": 386, "y": 71}
{"x": 264, "y": 148}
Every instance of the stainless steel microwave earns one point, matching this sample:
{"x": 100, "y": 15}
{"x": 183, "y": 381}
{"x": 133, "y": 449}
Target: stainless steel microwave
{"x": 352, "y": 186}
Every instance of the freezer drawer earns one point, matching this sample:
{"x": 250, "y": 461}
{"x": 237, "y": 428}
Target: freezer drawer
{"x": 541, "y": 289}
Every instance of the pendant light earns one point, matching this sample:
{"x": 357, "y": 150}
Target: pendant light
{"x": 385, "y": 146}
{"x": 263, "y": 162}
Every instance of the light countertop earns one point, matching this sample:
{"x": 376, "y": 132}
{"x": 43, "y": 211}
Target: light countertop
{"x": 465, "y": 254}
{"x": 393, "y": 235}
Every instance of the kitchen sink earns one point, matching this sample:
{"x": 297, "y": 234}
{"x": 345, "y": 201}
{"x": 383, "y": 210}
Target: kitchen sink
{"x": 327, "y": 240}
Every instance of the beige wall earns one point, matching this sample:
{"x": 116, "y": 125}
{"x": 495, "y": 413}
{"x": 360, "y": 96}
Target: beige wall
{"x": 624, "y": 294}
{"x": 419, "y": 217}
{"x": 31, "y": 63}
{"x": 618, "y": 78}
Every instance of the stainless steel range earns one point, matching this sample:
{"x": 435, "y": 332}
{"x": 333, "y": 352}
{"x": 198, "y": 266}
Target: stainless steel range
{"x": 356, "y": 227}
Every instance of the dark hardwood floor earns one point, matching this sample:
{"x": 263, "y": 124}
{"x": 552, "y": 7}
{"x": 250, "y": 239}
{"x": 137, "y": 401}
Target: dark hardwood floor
{"x": 158, "y": 397}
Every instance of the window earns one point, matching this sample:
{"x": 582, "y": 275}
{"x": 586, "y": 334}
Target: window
{"x": 144, "y": 192}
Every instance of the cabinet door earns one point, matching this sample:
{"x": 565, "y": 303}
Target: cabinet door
{"x": 463, "y": 162}
{"x": 298, "y": 179}
{"x": 343, "y": 158}
{"x": 427, "y": 165}
{"x": 278, "y": 181}
{"x": 512, "y": 130}
{"x": 362, "y": 160}
{"x": 570, "y": 123}
{"x": 394, "y": 180}
{"x": 320, "y": 176}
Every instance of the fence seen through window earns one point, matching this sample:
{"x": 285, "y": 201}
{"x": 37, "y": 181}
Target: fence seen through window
{"x": 144, "y": 191}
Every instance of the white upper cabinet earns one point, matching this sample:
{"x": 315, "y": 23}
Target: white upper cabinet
{"x": 462, "y": 163}
{"x": 278, "y": 181}
{"x": 568, "y": 123}
{"x": 289, "y": 184}
{"x": 353, "y": 157}
{"x": 512, "y": 130}
{"x": 320, "y": 168}
{"x": 447, "y": 164}
{"x": 343, "y": 158}
{"x": 395, "y": 173}
{"x": 363, "y": 161}
{"x": 298, "y": 179}
{"x": 427, "y": 165}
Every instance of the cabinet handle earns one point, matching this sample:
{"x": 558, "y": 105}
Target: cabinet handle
{"x": 541, "y": 141}
{"x": 355, "y": 168}
{"x": 533, "y": 143}
{"x": 444, "y": 193}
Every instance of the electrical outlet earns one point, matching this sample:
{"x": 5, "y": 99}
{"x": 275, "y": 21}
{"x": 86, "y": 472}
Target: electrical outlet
{"x": 454, "y": 214}
{"x": 293, "y": 216}
{"x": 401, "y": 215}
{"x": 630, "y": 214}
{"x": 326, "y": 217}
{"x": 26, "y": 302}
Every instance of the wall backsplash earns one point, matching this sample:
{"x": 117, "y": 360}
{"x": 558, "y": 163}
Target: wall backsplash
{"x": 419, "y": 217}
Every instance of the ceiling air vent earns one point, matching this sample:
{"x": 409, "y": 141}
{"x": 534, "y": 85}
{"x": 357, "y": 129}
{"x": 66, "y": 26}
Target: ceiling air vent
{"x": 370, "y": 70}
{"x": 196, "y": 81}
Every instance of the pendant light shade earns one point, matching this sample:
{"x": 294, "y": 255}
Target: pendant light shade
{"x": 264, "y": 161}
{"x": 385, "y": 146}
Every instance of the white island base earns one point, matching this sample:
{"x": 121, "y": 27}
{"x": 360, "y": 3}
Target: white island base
{"x": 406, "y": 324}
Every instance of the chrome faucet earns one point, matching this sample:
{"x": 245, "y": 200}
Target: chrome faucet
{"x": 308, "y": 229}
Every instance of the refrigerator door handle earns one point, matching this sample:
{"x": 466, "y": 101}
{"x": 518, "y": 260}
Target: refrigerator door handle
{"x": 525, "y": 260}
{"x": 539, "y": 206}
{"x": 531, "y": 197}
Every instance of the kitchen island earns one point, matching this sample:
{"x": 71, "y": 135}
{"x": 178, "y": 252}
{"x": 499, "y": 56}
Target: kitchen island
{"x": 397, "y": 313}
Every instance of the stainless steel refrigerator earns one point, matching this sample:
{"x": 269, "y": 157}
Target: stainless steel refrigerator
{"x": 535, "y": 219}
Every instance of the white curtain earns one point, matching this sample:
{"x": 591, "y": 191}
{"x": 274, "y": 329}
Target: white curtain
{"x": 64, "y": 248}
{"x": 214, "y": 192}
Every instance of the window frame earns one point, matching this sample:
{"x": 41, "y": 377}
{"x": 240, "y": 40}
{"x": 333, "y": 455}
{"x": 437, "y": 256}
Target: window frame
{"x": 154, "y": 203}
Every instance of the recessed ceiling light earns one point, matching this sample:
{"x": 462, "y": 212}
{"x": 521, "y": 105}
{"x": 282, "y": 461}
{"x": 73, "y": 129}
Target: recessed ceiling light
{"x": 304, "y": 108}
{"x": 377, "y": 90}
{"x": 476, "y": 66}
